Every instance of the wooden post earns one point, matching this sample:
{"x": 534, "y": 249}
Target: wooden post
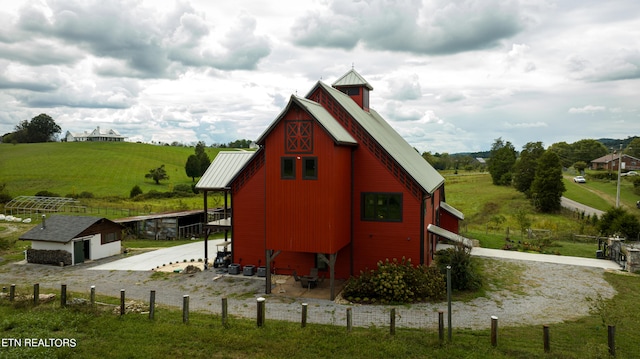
{"x": 224, "y": 312}
{"x": 611, "y": 334}
{"x": 152, "y": 304}
{"x": 36, "y": 293}
{"x": 494, "y": 331}
{"x": 12, "y": 293}
{"x": 261, "y": 310}
{"x": 449, "y": 301}
{"x": 304, "y": 315}
{"x": 441, "y": 326}
{"x": 349, "y": 320}
{"x": 185, "y": 309}
{"x": 545, "y": 338}
{"x": 392, "y": 320}
{"x": 63, "y": 295}
{"x": 122, "y": 309}
{"x": 92, "y": 296}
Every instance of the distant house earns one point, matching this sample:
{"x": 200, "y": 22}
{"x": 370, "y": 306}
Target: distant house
{"x": 72, "y": 240}
{"x": 96, "y": 135}
{"x": 610, "y": 162}
{"x": 332, "y": 187}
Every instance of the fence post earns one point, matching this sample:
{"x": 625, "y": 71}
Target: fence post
{"x": 494, "y": 331}
{"x": 441, "y": 326}
{"x": 611, "y": 334}
{"x": 122, "y": 309}
{"x": 12, "y": 293}
{"x": 304, "y": 315}
{"x": 63, "y": 295}
{"x": 349, "y": 320}
{"x": 224, "y": 312}
{"x": 261, "y": 310}
{"x": 92, "y": 296}
{"x": 392, "y": 320}
{"x": 449, "y": 301}
{"x": 185, "y": 309}
{"x": 545, "y": 338}
{"x": 36, "y": 293}
{"x": 152, "y": 304}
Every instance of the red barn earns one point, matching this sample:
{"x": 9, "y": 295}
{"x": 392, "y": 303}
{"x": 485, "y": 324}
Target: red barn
{"x": 334, "y": 187}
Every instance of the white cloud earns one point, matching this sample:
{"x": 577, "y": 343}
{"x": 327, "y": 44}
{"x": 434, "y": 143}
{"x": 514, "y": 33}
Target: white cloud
{"x": 588, "y": 109}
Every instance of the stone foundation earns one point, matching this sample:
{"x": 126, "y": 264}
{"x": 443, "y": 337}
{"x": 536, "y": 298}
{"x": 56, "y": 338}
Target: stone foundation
{"x": 55, "y": 257}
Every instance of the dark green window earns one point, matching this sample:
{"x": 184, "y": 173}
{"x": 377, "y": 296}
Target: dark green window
{"x": 384, "y": 207}
{"x": 310, "y": 168}
{"x": 288, "y": 167}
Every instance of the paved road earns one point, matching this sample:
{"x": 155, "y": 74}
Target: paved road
{"x": 548, "y": 258}
{"x": 573, "y": 205}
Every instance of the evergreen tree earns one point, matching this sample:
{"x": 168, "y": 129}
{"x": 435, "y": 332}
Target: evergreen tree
{"x": 524, "y": 170}
{"x": 501, "y": 161}
{"x": 547, "y": 186}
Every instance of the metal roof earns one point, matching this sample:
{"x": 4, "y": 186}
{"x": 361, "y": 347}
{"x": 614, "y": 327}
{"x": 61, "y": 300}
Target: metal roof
{"x": 450, "y": 235}
{"x": 61, "y": 229}
{"x": 223, "y": 168}
{"x": 396, "y": 146}
{"x": 352, "y": 78}
{"x": 449, "y": 208}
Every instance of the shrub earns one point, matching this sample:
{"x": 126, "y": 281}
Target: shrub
{"x": 465, "y": 274}
{"x": 136, "y": 190}
{"x": 396, "y": 282}
{"x": 183, "y": 189}
{"x": 46, "y": 194}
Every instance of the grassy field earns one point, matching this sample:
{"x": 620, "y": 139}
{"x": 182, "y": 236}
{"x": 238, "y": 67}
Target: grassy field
{"x": 102, "y": 168}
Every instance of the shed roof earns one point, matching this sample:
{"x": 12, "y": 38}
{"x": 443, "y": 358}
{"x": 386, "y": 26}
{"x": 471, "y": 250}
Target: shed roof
{"x": 61, "y": 229}
{"x": 396, "y": 146}
{"x": 450, "y": 235}
{"x": 449, "y": 208}
{"x": 223, "y": 169}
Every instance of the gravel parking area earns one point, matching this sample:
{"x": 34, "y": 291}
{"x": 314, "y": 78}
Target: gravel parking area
{"x": 544, "y": 293}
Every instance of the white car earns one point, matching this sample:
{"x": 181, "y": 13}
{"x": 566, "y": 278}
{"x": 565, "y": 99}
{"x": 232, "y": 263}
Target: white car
{"x": 579, "y": 179}
{"x": 630, "y": 173}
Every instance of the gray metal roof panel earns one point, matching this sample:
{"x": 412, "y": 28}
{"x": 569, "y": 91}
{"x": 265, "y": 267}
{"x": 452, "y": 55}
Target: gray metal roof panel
{"x": 60, "y": 229}
{"x": 352, "y": 78}
{"x": 333, "y": 127}
{"x": 449, "y": 208}
{"x": 223, "y": 168}
{"x": 396, "y": 146}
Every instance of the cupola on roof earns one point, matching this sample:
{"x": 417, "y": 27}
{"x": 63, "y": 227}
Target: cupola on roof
{"x": 352, "y": 79}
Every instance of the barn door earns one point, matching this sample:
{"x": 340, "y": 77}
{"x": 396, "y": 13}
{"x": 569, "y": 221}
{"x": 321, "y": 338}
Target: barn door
{"x": 78, "y": 252}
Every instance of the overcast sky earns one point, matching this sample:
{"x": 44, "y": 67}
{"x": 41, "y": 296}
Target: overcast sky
{"x": 449, "y": 76}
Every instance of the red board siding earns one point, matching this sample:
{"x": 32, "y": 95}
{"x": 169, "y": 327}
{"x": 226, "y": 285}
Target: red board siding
{"x": 248, "y": 221}
{"x": 375, "y": 241}
{"x": 307, "y": 215}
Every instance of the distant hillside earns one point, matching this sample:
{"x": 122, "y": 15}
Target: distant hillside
{"x": 102, "y": 168}
{"x": 607, "y": 142}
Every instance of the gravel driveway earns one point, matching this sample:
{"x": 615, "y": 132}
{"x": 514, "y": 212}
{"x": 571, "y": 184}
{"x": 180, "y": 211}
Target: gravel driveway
{"x": 545, "y": 293}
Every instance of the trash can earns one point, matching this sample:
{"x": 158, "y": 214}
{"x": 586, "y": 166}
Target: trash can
{"x": 262, "y": 271}
{"x": 248, "y": 270}
{"x": 234, "y": 268}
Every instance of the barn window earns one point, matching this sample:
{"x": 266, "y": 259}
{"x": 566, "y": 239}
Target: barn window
{"x": 384, "y": 207}
{"x": 109, "y": 237}
{"x": 288, "y": 168}
{"x": 310, "y": 168}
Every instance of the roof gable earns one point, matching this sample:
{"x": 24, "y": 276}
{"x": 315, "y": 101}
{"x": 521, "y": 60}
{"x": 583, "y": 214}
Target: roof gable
{"x": 322, "y": 117}
{"x": 61, "y": 229}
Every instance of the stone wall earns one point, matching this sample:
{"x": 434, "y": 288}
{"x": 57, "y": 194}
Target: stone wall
{"x": 54, "y": 257}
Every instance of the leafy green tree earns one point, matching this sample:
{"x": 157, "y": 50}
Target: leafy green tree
{"x": 580, "y": 166}
{"x": 524, "y": 169}
{"x": 547, "y": 186}
{"x": 157, "y": 174}
{"x": 564, "y": 152}
{"x": 197, "y": 163}
{"x": 618, "y": 221}
{"x": 501, "y": 161}
{"x": 587, "y": 150}
{"x": 633, "y": 149}
{"x": 41, "y": 128}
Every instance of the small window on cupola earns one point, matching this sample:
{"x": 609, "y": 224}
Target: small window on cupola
{"x": 356, "y": 87}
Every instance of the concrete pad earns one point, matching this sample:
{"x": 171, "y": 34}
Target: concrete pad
{"x": 150, "y": 260}
{"x": 548, "y": 258}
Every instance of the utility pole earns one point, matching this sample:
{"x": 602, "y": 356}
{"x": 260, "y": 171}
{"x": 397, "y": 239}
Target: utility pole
{"x": 619, "y": 171}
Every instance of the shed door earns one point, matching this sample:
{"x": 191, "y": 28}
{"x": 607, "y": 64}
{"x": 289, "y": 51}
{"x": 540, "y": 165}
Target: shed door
{"x": 78, "y": 252}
